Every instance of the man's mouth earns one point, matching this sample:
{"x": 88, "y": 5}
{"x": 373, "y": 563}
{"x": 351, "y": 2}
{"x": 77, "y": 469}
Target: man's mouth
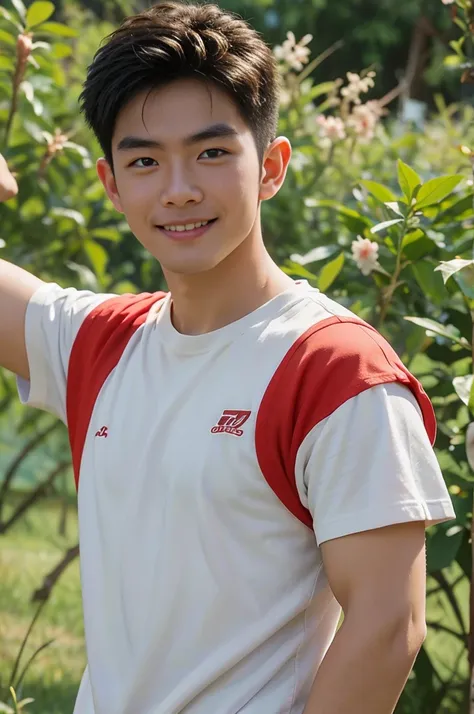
{"x": 187, "y": 230}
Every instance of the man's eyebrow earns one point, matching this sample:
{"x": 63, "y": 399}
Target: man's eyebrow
{"x": 215, "y": 131}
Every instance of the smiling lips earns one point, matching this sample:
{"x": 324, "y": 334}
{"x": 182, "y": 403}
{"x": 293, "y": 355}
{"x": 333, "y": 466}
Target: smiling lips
{"x": 186, "y": 231}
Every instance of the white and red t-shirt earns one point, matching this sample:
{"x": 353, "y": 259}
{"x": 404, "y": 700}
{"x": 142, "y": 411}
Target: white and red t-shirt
{"x": 210, "y": 469}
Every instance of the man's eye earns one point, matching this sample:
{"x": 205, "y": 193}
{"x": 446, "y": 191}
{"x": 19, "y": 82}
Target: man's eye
{"x": 214, "y": 153}
{"x": 146, "y": 162}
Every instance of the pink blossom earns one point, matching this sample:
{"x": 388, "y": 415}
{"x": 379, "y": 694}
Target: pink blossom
{"x": 331, "y": 128}
{"x": 365, "y": 253}
{"x": 364, "y": 119}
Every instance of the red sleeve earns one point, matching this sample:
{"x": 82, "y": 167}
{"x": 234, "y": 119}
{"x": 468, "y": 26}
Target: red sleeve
{"x": 97, "y": 349}
{"x": 332, "y": 362}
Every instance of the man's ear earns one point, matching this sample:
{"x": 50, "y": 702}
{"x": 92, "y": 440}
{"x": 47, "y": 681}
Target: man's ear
{"x": 106, "y": 175}
{"x": 275, "y": 164}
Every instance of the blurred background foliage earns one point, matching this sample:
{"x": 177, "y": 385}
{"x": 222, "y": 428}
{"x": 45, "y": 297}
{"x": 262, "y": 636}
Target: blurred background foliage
{"x": 377, "y": 210}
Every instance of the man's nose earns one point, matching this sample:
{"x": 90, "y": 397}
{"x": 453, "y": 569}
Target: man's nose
{"x": 180, "y": 188}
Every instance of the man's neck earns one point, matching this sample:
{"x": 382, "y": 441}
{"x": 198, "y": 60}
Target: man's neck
{"x": 245, "y": 280}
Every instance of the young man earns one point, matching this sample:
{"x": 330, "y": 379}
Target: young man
{"x": 250, "y": 456}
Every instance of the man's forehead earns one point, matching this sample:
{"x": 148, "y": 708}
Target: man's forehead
{"x": 179, "y": 113}
{"x": 189, "y": 101}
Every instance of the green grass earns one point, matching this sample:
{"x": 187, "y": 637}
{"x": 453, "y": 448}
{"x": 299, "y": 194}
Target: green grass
{"x": 33, "y": 547}
{"x": 27, "y": 553}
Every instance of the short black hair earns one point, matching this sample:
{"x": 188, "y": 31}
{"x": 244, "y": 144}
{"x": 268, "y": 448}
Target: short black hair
{"x": 176, "y": 40}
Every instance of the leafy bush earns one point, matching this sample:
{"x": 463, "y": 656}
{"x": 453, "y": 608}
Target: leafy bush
{"x": 375, "y": 212}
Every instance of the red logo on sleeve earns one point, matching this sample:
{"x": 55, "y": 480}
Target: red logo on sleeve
{"x": 230, "y": 422}
{"x": 103, "y": 431}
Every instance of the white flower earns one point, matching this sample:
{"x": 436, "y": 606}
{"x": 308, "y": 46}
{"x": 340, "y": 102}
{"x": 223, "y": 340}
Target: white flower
{"x": 294, "y": 54}
{"x": 366, "y": 254}
{"x": 448, "y": 2}
{"x": 357, "y": 86}
{"x": 2, "y": 243}
{"x": 364, "y": 119}
{"x": 331, "y": 128}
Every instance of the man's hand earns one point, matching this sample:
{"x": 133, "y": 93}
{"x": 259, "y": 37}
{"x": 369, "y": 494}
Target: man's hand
{"x": 8, "y": 185}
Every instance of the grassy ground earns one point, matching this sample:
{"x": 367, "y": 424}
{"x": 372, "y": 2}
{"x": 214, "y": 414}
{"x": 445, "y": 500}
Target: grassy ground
{"x": 33, "y": 547}
{"x": 27, "y": 553}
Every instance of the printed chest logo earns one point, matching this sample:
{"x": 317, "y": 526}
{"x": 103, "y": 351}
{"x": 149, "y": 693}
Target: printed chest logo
{"x": 103, "y": 431}
{"x": 231, "y": 422}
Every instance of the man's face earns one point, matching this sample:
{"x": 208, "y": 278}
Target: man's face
{"x": 184, "y": 158}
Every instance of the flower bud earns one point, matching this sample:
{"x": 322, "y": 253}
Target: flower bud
{"x": 23, "y": 47}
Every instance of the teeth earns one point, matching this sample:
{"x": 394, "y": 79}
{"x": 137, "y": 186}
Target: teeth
{"x": 187, "y": 227}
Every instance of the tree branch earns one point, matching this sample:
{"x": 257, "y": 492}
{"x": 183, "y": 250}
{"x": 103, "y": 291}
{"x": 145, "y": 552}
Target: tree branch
{"x": 43, "y": 592}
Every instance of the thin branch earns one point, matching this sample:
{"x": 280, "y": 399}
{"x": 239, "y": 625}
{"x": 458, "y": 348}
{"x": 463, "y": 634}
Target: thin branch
{"x": 34, "y": 496}
{"x": 25, "y": 640}
{"x": 442, "y": 628}
{"x": 18, "y": 460}
{"x": 27, "y": 665}
{"x": 441, "y": 579}
{"x": 43, "y": 592}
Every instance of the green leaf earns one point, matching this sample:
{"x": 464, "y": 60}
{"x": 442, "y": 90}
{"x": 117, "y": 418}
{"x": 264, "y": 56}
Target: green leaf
{"x": 463, "y": 387}
{"x": 448, "y": 268}
{"x": 97, "y": 256}
{"x": 395, "y": 207}
{"x": 442, "y": 548}
{"x": 435, "y": 190}
{"x": 38, "y": 13}
{"x": 448, "y": 331}
{"x": 379, "y": 191}
{"x": 86, "y": 276}
{"x": 6, "y": 63}
{"x": 408, "y": 180}
{"x": 416, "y": 244}
{"x": 386, "y": 224}
{"x": 320, "y": 253}
{"x": 295, "y": 269}
{"x": 470, "y": 402}
{"x": 457, "y": 208}
{"x": 456, "y": 45}
{"x": 319, "y": 89}
{"x": 7, "y": 39}
{"x": 20, "y": 8}
{"x": 60, "y": 51}
{"x": 429, "y": 281}
{"x": 9, "y": 18}
{"x": 330, "y": 272}
{"x": 24, "y": 702}
{"x": 106, "y": 234}
{"x": 354, "y": 221}
{"x": 40, "y": 45}
{"x": 452, "y": 61}
{"x": 69, "y": 213}
{"x": 465, "y": 280}
{"x": 56, "y": 28}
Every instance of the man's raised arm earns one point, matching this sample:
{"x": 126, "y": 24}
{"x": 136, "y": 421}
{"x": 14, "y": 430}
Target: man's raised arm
{"x": 16, "y": 288}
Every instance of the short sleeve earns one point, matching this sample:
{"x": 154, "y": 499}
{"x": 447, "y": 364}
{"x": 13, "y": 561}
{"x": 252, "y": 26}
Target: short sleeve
{"x": 370, "y": 464}
{"x": 53, "y": 318}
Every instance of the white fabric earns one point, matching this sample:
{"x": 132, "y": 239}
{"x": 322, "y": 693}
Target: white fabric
{"x": 53, "y": 319}
{"x": 370, "y": 464}
{"x": 202, "y": 593}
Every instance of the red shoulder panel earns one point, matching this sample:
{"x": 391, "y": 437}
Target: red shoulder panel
{"x": 97, "y": 349}
{"x": 333, "y": 361}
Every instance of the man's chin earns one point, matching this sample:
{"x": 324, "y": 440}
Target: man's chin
{"x": 190, "y": 267}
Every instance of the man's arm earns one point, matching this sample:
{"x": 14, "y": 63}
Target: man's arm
{"x": 16, "y": 288}
{"x": 379, "y": 579}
